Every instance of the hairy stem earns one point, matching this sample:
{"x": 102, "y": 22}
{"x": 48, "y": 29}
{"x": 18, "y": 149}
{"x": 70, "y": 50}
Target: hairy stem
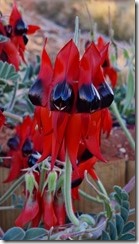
{"x": 13, "y": 116}
{"x": 89, "y": 197}
{"x": 123, "y": 126}
{"x": 67, "y": 192}
{"x": 11, "y": 105}
{"x": 13, "y": 187}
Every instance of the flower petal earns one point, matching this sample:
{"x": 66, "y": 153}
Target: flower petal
{"x": 32, "y": 29}
{"x": 15, "y": 15}
{"x": 39, "y": 92}
{"x": 73, "y": 137}
{"x": 67, "y": 64}
{"x": 28, "y": 213}
{"x": 49, "y": 216}
{"x": 59, "y": 122}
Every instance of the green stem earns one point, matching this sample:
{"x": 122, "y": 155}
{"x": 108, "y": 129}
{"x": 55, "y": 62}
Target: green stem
{"x": 13, "y": 116}
{"x": 13, "y": 187}
{"x": 13, "y": 97}
{"x": 67, "y": 192}
{"x": 76, "y": 33}
{"x": 42, "y": 177}
{"x": 89, "y": 197}
{"x": 123, "y": 126}
{"x": 101, "y": 187}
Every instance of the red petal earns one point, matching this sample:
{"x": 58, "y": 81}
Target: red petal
{"x": 59, "y": 208}
{"x": 47, "y": 147}
{"x": 112, "y": 74}
{"x": 73, "y": 137}
{"x": 2, "y": 119}
{"x": 75, "y": 193}
{"x": 93, "y": 174}
{"x": 32, "y": 29}
{"x": 45, "y": 74}
{"x": 106, "y": 121}
{"x": 93, "y": 146}
{"x": 89, "y": 65}
{"x": 29, "y": 212}
{"x": 104, "y": 54}
{"x": 59, "y": 122}
{"x": 67, "y": 64}
{"x": 16, "y": 166}
{"x": 100, "y": 43}
{"x": 49, "y": 216}
{"x": 12, "y": 53}
{"x": 15, "y": 15}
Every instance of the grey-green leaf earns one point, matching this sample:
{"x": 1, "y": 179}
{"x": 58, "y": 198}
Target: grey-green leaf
{"x": 119, "y": 224}
{"x": 118, "y": 190}
{"x": 105, "y": 236}
{"x": 124, "y": 214}
{"x": 129, "y": 226}
{"x": 127, "y": 237}
{"x": 7, "y": 72}
{"x": 14, "y": 234}
{"x": 35, "y": 233}
{"x": 112, "y": 230}
{"x": 125, "y": 195}
{"x": 126, "y": 204}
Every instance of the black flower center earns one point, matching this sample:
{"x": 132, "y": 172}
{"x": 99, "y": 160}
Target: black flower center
{"x": 27, "y": 147}
{"x": 25, "y": 39}
{"x": 33, "y": 158}
{"x": 62, "y": 97}
{"x": 13, "y": 142}
{"x": 35, "y": 93}
{"x": 88, "y": 99}
{"x": 20, "y": 28}
{"x": 106, "y": 95}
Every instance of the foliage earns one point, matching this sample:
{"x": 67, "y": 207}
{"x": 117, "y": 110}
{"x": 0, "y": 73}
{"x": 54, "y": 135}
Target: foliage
{"x": 92, "y": 226}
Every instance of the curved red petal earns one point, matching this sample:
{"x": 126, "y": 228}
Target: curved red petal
{"x": 29, "y": 212}
{"x": 15, "y": 15}
{"x": 45, "y": 74}
{"x": 93, "y": 146}
{"x": 32, "y": 29}
{"x": 12, "y": 53}
{"x": 73, "y": 137}
{"x": 89, "y": 65}
{"x": 59, "y": 122}
{"x": 106, "y": 121}
{"x": 92, "y": 173}
{"x": 112, "y": 74}
{"x": 2, "y": 119}
{"x": 67, "y": 64}
{"x": 59, "y": 208}
{"x": 16, "y": 166}
{"x": 49, "y": 216}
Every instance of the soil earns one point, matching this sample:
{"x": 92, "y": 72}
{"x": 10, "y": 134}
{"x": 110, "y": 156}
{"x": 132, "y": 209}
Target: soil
{"x": 117, "y": 146}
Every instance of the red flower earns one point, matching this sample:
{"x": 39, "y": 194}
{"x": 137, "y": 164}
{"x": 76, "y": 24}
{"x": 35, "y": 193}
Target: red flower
{"x": 107, "y": 67}
{"x": 42, "y": 205}
{"x": 76, "y": 94}
{"x": 2, "y": 118}
{"x": 18, "y": 30}
{"x": 24, "y": 147}
{"x": 8, "y": 51}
